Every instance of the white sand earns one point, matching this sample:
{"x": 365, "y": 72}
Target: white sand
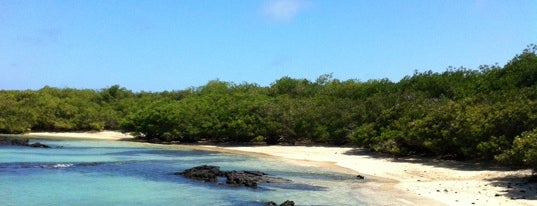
{"x": 103, "y": 135}
{"x": 415, "y": 180}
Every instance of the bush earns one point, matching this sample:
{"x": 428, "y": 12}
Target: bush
{"x": 523, "y": 152}
{"x": 364, "y": 134}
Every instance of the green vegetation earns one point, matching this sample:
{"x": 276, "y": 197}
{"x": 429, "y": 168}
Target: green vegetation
{"x": 489, "y": 113}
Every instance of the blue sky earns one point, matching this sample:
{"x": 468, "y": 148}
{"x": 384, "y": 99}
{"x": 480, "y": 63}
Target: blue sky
{"x": 155, "y": 45}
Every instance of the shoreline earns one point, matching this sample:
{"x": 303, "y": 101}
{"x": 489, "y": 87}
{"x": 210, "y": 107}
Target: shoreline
{"x": 392, "y": 181}
{"x": 98, "y": 135}
{"x": 442, "y": 181}
{"x": 375, "y": 190}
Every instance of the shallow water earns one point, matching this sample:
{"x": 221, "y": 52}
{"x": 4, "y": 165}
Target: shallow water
{"x": 122, "y": 173}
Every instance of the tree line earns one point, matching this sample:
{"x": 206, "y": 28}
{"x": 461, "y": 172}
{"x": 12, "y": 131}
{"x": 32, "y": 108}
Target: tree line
{"x": 488, "y": 113}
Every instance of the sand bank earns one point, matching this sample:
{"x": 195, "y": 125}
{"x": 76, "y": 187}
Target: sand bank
{"x": 103, "y": 135}
{"x": 417, "y": 179}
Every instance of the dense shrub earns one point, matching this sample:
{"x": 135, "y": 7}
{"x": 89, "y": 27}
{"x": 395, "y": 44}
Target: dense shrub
{"x": 523, "y": 152}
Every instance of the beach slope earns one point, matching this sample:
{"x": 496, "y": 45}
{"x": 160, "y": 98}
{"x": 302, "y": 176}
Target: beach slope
{"x": 447, "y": 182}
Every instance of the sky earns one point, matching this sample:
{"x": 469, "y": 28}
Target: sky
{"x": 157, "y": 45}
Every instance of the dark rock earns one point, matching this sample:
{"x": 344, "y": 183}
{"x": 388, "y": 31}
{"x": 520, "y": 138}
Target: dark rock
{"x": 288, "y": 203}
{"x": 37, "y": 144}
{"x": 360, "y": 177}
{"x": 271, "y": 203}
{"x": 235, "y": 178}
{"x": 20, "y": 142}
{"x": 256, "y": 173}
{"x": 205, "y": 173}
{"x": 250, "y": 178}
{"x": 14, "y": 141}
{"x": 209, "y": 173}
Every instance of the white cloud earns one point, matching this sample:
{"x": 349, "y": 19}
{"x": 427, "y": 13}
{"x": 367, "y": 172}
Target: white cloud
{"x": 284, "y": 10}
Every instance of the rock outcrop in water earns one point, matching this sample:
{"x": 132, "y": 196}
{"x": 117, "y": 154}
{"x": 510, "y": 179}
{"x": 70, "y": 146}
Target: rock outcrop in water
{"x": 208, "y": 173}
{"x": 286, "y": 203}
{"x": 204, "y": 173}
{"x": 13, "y": 141}
{"x": 20, "y": 142}
{"x": 39, "y": 145}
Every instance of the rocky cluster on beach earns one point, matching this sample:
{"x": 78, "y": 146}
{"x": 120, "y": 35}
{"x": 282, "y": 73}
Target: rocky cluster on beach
{"x": 20, "y": 142}
{"x": 209, "y": 173}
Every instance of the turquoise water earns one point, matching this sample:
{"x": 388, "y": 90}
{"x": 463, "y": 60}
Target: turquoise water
{"x": 122, "y": 173}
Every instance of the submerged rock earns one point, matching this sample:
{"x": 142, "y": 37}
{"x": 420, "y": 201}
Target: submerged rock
{"x": 20, "y": 142}
{"x": 13, "y": 141}
{"x": 37, "y": 144}
{"x": 271, "y": 203}
{"x": 208, "y": 173}
{"x": 286, "y": 203}
{"x": 236, "y": 178}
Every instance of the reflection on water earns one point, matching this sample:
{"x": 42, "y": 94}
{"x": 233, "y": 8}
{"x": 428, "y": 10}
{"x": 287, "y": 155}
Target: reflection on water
{"x": 120, "y": 173}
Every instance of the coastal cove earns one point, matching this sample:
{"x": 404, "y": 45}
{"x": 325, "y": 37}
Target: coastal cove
{"x": 268, "y": 103}
{"x": 98, "y": 172}
{"x": 389, "y": 181}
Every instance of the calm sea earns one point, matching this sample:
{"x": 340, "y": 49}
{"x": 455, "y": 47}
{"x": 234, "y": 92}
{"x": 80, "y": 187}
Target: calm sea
{"x": 123, "y": 173}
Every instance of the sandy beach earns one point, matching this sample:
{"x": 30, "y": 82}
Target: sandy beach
{"x": 390, "y": 181}
{"x": 445, "y": 182}
{"x": 102, "y": 135}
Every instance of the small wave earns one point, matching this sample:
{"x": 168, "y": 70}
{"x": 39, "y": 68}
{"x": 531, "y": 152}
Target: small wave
{"x": 57, "y": 166}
